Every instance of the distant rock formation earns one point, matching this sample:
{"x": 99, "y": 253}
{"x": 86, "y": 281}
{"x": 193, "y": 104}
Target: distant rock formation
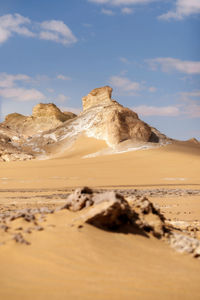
{"x": 17, "y": 130}
{"x": 9, "y": 151}
{"x": 99, "y": 96}
{"x": 193, "y": 140}
{"x": 102, "y": 118}
{"x": 116, "y": 123}
{"x": 44, "y": 117}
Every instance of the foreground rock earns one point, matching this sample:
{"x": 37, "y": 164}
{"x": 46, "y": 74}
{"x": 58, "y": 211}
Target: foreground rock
{"x": 109, "y": 211}
{"x": 184, "y": 244}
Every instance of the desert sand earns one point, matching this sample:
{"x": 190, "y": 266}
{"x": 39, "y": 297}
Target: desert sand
{"x": 174, "y": 164}
{"x": 135, "y": 235}
{"x": 66, "y": 262}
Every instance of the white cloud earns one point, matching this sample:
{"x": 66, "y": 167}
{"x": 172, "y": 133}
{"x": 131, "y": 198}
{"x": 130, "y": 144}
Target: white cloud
{"x": 10, "y": 24}
{"x": 71, "y": 109}
{"x": 57, "y": 31}
{"x": 145, "y": 110}
{"x": 9, "y": 88}
{"x": 182, "y": 9}
{"x": 192, "y": 109}
{"x": 63, "y": 77}
{"x": 62, "y": 98}
{"x": 50, "y": 90}
{"x": 121, "y": 2}
{"x": 152, "y": 89}
{"x": 124, "y": 84}
{"x": 195, "y": 94}
{"x": 107, "y": 12}
{"x": 124, "y": 60}
{"x": 21, "y": 94}
{"x": 7, "y": 80}
{"x": 190, "y": 103}
{"x": 126, "y": 10}
{"x": 54, "y": 30}
{"x": 187, "y": 107}
{"x": 168, "y": 64}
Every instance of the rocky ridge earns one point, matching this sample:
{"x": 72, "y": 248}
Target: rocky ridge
{"x": 102, "y": 118}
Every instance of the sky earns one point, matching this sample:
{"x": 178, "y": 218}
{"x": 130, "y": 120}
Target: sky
{"x": 148, "y": 51}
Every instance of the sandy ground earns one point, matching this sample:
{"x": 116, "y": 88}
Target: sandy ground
{"x": 175, "y": 164}
{"x": 65, "y": 262}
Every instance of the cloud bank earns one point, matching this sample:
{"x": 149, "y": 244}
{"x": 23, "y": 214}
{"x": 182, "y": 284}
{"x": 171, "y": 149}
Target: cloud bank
{"x": 122, "y": 2}
{"x": 168, "y": 64}
{"x": 182, "y": 9}
{"x": 52, "y": 30}
{"x": 145, "y": 110}
{"x": 188, "y": 106}
{"x": 10, "y": 88}
{"x": 124, "y": 84}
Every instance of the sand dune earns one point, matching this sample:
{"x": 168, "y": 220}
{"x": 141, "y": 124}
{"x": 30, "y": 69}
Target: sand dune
{"x": 88, "y": 263}
{"x": 176, "y": 163}
{"x": 81, "y": 147}
{"x": 64, "y": 262}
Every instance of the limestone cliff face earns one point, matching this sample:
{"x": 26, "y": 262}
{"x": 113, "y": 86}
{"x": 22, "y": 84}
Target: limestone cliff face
{"x": 49, "y": 110}
{"x": 194, "y": 141}
{"x": 49, "y": 129}
{"x": 115, "y": 122}
{"x": 44, "y": 117}
{"x": 99, "y": 96}
{"x": 10, "y": 150}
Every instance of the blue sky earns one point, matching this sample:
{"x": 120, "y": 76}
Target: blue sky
{"x": 148, "y": 51}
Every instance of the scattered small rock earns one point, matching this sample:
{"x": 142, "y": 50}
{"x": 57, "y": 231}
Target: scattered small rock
{"x": 20, "y": 239}
{"x": 184, "y": 244}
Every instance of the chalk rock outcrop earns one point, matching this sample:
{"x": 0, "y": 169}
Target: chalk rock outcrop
{"x": 116, "y": 123}
{"x": 9, "y": 151}
{"x": 102, "y": 118}
{"x": 44, "y": 117}
{"x": 49, "y": 130}
{"x": 193, "y": 140}
{"x": 49, "y": 110}
{"x": 99, "y": 96}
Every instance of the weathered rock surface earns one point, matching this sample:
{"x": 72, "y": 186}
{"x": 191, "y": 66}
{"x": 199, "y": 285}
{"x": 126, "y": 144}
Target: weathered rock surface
{"x": 44, "y": 117}
{"x": 185, "y": 244}
{"x": 102, "y": 118}
{"x": 116, "y": 123}
{"x": 107, "y": 210}
{"x": 9, "y": 149}
{"x": 99, "y": 96}
{"x": 80, "y": 199}
{"x": 193, "y": 140}
{"x": 110, "y": 210}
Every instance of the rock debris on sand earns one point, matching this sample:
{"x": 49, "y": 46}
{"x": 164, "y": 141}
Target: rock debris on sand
{"x": 107, "y": 210}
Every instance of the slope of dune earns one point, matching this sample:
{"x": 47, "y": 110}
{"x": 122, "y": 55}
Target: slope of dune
{"x": 176, "y": 163}
{"x": 68, "y": 261}
{"x": 65, "y": 262}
